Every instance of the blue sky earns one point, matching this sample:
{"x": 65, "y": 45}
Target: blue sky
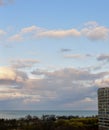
{"x": 54, "y": 54}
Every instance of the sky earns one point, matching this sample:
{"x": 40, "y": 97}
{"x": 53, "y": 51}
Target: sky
{"x": 54, "y": 54}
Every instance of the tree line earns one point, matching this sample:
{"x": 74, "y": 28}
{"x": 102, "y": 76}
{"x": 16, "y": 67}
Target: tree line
{"x": 50, "y": 122}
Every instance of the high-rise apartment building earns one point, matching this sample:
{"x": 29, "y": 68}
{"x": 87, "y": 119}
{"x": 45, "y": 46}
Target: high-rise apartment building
{"x": 103, "y": 108}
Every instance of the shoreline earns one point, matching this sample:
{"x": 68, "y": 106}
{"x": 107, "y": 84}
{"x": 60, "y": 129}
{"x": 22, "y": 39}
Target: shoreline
{"x": 22, "y": 113}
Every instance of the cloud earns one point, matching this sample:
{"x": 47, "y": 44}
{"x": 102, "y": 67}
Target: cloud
{"x": 2, "y": 33}
{"x": 11, "y": 96}
{"x": 104, "y": 82}
{"x": 5, "y": 2}
{"x": 92, "y": 30}
{"x": 76, "y": 56}
{"x": 16, "y": 94}
{"x": 31, "y": 29}
{"x": 87, "y": 99}
{"x": 1, "y": 2}
{"x": 65, "y": 50}
{"x": 24, "y": 33}
{"x": 37, "y": 32}
{"x": 10, "y": 76}
{"x": 95, "y": 32}
{"x": 91, "y": 24}
{"x": 103, "y": 57}
{"x": 59, "y": 33}
{"x": 7, "y": 73}
{"x": 42, "y": 32}
{"x": 24, "y": 63}
{"x": 67, "y": 84}
{"x": 70, "y": 74}
{"x": 90, "y": 103}
{"x": 16, "y": 38}
{"x": 68, "y": 88}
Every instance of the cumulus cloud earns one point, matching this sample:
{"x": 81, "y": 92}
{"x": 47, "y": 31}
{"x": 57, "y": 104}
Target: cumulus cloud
{"x": 7, "y": 73}
{"x": 95, "y": 32}
{"x": 10, "y": 76}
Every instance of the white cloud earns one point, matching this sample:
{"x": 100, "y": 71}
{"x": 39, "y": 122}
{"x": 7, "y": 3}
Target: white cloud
{"x": 42, "y": 32}
{"x": 91, "y": 24}
{"x": 2, "y": 33}
{"x": 95, "y": 32}
{"x": 37, "y": 32}
{"x": 92, "y": 30}
{"x": 7, "y": 73}
{"x": 59, "y": 33}
{"x": 16, "y": 38}
{"x": 30, "y": 29}
{"x": 10, "y": 76}
{"x": 104, "y": 82}
{"x": 87, "y": 99}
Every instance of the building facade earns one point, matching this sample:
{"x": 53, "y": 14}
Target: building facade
{"x": 103, "y": 108}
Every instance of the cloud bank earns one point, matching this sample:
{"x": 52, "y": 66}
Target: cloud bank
{"x": 67, "y": 88}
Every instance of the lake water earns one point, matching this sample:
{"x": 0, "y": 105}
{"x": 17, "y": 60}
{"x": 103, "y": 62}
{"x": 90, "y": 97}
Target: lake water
{"x": 22, "y": 113}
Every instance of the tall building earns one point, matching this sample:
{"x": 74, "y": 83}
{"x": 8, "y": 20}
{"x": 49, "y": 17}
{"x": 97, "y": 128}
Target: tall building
{"x": 103, "y": 108}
